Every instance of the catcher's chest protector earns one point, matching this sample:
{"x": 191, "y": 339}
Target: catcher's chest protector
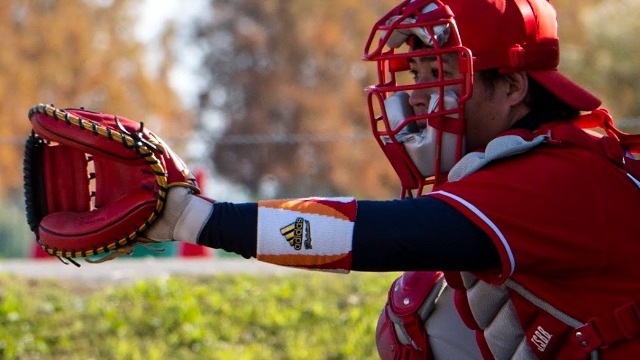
{"x": 495, "y": 312}
{"x": 513, "y": 323}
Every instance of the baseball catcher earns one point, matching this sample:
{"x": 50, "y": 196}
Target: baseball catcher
{"x": 517, "y": 230}
{"x": 94, "y": 183}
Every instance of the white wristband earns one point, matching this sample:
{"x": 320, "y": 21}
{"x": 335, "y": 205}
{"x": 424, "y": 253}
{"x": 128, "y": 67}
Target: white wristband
{"x": 192, "y": 220}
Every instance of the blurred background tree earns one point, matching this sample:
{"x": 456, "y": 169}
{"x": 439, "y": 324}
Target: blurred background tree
{"x": 285, "y": 77}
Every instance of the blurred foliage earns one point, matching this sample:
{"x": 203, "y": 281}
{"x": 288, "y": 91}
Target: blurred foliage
{"x": 283, "y": 68}
{"x": 308, "y": 316}
{"x": 74, "y": 53}
{"x": 600, "y": 48}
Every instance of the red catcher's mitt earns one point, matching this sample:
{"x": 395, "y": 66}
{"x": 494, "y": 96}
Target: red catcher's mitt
{"x": 94, "y": 182}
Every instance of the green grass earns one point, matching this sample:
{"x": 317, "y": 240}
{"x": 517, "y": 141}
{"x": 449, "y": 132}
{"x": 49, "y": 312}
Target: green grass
{"x": 308, "y": 316}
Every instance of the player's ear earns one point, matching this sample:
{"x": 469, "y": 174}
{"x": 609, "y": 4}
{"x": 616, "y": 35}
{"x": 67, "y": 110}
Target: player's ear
{"x": 517, "y": 87}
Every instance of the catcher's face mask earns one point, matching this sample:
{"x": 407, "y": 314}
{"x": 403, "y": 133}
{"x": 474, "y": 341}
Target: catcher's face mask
{"x": 421, "y": 139}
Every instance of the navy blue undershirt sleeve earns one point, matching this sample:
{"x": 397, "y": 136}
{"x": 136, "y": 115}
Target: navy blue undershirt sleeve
{"x": 418, "y": 234}
{"x": 233, "y": 228}
{"x": 397, "y": 235}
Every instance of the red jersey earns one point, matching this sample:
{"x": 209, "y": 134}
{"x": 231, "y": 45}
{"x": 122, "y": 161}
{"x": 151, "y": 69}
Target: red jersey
{"x": 564, "y": 220}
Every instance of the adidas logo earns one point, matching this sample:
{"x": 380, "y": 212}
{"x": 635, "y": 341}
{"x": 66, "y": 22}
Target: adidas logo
{"x": 295, "y": 231}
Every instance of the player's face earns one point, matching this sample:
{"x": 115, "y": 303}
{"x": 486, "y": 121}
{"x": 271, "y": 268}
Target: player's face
{"x": 486, "y": 112}
{"x": 425, "y": 70}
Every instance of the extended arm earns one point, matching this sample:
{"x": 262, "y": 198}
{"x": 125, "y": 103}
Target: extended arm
{"x": 398, "y": 235}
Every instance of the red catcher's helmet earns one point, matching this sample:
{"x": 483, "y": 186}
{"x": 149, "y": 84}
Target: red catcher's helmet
{"x": 507, "y": 35}
{"x": 417, "y": 156}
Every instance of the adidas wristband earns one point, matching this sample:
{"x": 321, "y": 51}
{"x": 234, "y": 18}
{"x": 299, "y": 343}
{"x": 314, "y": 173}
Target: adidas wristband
{"x": 312, "y": 233}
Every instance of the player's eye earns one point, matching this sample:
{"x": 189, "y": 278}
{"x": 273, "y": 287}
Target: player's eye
{"x": 414, "y": 75}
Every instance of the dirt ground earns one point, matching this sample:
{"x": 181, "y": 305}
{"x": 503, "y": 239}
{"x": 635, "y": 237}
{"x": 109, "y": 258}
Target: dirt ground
{"x": 131, "y": 269}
